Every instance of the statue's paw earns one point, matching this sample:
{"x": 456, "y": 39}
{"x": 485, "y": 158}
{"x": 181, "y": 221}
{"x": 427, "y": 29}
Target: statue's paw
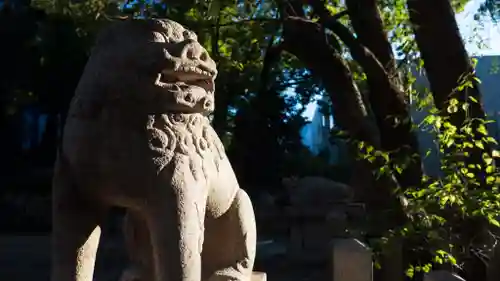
{"x": 229, "y": 274}
{"x": 131, "y": 274}
{"x": 233, "y": 275}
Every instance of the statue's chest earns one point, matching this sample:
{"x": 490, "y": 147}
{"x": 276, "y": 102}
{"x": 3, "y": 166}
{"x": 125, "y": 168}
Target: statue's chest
{"x": 184, "y": 135}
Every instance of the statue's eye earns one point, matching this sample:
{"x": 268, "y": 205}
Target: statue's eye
{"x": 189, "y": 35}
{"x": 159, "y": 37}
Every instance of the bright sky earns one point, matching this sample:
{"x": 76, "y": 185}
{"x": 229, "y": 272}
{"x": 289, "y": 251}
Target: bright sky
{"x": 472, "y": 32}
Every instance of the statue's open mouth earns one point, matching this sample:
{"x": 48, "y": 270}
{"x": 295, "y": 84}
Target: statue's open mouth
{"x": 189, "y": 76}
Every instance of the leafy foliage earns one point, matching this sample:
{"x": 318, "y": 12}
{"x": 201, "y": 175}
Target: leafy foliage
{"x": 491, "y": 7}
{"x": 60, "y": 38}
{"x": 260, "y": 122}
{"x": 438, "y": 209}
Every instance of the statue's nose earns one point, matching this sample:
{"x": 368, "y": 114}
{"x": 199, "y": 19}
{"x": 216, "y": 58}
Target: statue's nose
{"x": 194, "y": 51}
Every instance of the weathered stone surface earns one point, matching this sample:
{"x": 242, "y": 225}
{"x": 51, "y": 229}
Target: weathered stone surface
{"x": 316, "y": 191}
{"x": 442, "y": 275}
{"x": 259, "y": 276}
{"x": 315, "y": 216}
{"x": 351, "y": 261}
{"x": 137, "y": 136}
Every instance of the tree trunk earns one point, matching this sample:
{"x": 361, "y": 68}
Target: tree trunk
{"x": 329, "y": 66}
{"x": 349, "y": 111}
{"x": 219, "y": 121}
{"x": 443, "y": 51}
{"x": 220, "y": 114}
{"x": 446, "y": 64}
{"x": 386, "y": 96}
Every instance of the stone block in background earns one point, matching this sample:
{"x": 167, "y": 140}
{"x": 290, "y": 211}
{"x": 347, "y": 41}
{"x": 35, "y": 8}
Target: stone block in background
{"x": 351, "y": 261}
{"x": 442, "y": 275}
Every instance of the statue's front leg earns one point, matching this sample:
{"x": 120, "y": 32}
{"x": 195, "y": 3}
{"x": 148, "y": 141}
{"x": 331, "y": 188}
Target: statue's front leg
{"x": 230, "y": 242}
{"x": 139, "y": 249}
{"x": 175, "y": 215}
{"x": 75, "y": 228}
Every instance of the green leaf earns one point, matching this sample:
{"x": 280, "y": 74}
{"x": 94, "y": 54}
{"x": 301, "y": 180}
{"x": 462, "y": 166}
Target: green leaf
{"x": 450, "y": 142}
{"x": 479, "y": 144}
{"x": 490, "y": 169}
{"x": 452, "y": 109}
{"x": 468, "y": 144}
{"x": 430, "y": 119}
{"x": 493, "y": 221}
{"x": 488, "y": 160}
{"x": 410, "y": 272}
{"x": 452, "y": 260}
{"x": 473, "y": 99}
{"x": 482, "y": 129}
{"x": 490, "y": 180}
{"x": 369, "y": 149}
{"x": 495, "y": 153}
{"x": 426, "y": 268}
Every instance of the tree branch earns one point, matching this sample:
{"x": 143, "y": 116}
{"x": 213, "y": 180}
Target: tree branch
{"x": 328, "y": 64}
{"x": 369, "y": 28}
{"x": 386, "y": 97}
{"x": 293, "y": 8}
{"x": 209, "y": 25}
{"x": 358, "y": 51}
{"x": 215, "y": 41}
{"x": 348, "y": 107}
{"x": 339, "y": 15}
{"x": 271, "y": 57}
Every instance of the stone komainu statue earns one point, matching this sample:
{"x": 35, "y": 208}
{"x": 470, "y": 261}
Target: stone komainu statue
{"x": 137, "y": 136}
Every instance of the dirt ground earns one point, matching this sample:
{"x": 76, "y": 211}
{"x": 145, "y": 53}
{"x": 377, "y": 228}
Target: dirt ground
{"x": 27, "y": 258}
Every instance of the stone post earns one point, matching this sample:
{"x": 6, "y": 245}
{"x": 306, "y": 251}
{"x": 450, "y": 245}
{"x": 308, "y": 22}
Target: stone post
{"x": 352, "y": 261}
{"x": 392, "y": 261}
{"x": 494, "y": 265}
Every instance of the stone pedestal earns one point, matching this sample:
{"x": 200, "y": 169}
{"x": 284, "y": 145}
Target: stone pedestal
{"x": 259, "y": 276}
{"x": 312, "y": 230}
{"x": 309, "y": 235}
